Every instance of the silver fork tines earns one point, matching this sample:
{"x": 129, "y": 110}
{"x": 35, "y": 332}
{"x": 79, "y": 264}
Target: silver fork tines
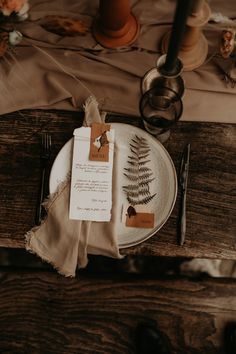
{"x": 46, "y": 143}
{"x": 46, "y": 146}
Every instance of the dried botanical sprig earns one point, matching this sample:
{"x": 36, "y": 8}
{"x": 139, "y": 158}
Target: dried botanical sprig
{"x": 140, "y": 175}
{"x": 141, "y": 163}
{"x": 136, "y": 194}
{"x": 140, "y": 201}
{"x": 8, "y": 7}
{"x": 11, "y": 11}
{"x": 64, "y": 26}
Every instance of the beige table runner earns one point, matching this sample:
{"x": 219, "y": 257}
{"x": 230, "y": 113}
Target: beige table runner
{"x": 65, "y": 70}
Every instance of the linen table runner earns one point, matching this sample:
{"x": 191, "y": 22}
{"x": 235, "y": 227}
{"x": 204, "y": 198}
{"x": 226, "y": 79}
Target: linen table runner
{"x": 52, "y": 61}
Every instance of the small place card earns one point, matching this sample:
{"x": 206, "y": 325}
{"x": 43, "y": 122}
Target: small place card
{"x": 140, "y": 220}
{"x": 137, "y": 217}
{"x": 91, "y": 181}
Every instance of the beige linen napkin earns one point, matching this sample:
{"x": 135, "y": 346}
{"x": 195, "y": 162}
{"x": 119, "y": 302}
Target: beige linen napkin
{"x": 65, "y": 243}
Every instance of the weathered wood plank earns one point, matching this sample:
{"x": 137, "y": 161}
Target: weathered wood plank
{"x": 210, "y": 199}
{"x": 45, "y": 313}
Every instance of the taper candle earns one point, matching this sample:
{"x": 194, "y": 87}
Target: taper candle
{"x": 196, "y": 6}
{"x": 182, "y": 10}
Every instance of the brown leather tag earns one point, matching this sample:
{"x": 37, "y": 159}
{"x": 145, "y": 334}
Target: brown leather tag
{"x": 99, "y": 144}
{"x": 140, "y": 220}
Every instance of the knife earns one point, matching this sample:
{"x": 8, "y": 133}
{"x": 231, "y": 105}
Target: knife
{"x": 183, "y": 181}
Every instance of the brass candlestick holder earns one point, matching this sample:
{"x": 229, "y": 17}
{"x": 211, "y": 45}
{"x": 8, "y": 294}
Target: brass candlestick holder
{"x": 159, "y": 77}
{"x": 194, "y": 46}
{"x": 161, "y": 104}
{"x": 162, "y": 87}
{"x": 115, "y": 25}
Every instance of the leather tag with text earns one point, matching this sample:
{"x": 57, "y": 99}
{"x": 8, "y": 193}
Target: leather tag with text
{"x": 99, "y": 143}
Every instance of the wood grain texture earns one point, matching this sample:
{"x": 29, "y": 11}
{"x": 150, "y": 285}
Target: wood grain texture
{"x": 46, "y": 313}
{"x": 211, "y": 190}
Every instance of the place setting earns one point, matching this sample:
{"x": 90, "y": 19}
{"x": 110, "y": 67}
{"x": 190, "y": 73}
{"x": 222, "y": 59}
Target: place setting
{"x": 113, "y": 185}
{"x": 157, "y": 176}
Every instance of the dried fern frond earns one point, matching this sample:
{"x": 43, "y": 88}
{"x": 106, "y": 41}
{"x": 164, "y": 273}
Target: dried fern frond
{"x": 133, "y": 158}
{"x": 147, "y": 199}
{"x": 134, "y": 178}
{"x": 136, "y": 194}
{"x": 135, "y": 169}
{"x": 132, "y": 163}
{"x": 145, "y": 176}
{"x": 147, "y": 181}
{"x": 130, "y": 187}
{"x": 132, "y": 201}
{"x": 134, "y": 151}
{"x": 64, "y": 26}
{"x": 143, "y": 148}
{"x": 142, "y": 163}
{"x": 143, "y": 155}
{"x": 140, "y": 140}
{"x": 140, "y": 175}
{"x": 136, "y": 201}
{"x": 132, "y": 170}
{"x": 144, "y": 169}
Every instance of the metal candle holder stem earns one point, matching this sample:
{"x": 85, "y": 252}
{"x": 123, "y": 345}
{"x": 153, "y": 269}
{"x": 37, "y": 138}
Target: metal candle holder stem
{"x": 163, "y": 91}
{"x": 163, "y": 87}
{"x": 159, "y": 77}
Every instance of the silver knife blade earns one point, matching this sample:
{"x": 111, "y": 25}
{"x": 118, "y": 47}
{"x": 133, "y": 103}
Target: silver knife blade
{"x": 184, "y": 167}
{"x": 183, "y": 180}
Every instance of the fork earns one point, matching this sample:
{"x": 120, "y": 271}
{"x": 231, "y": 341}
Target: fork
{"x": 46, "y": 143}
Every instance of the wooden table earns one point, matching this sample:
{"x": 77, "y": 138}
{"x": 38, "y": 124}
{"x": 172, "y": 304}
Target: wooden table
{"x": 46, "y": 313}
{"x": 102, "y": 313}
{"x": 211, "y": 193}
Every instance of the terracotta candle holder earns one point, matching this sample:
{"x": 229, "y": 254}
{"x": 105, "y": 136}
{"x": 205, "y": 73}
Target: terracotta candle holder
{"x": 115, "y": 25}
{"x": 194, "y": 46}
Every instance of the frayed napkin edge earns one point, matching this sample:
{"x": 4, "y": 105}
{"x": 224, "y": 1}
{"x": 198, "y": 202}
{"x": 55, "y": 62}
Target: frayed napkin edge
{"x": 51, "y": 198}
{"x": 43, "y": 257}
{"x": 47, "y": 203}
{"x": 88, "y": 101}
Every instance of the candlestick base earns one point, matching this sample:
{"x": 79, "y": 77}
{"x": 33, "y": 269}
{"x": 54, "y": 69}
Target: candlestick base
{"x": 194, "y": 47}
{"x": 191, "y": 58}
{"x": 122, "y": 37}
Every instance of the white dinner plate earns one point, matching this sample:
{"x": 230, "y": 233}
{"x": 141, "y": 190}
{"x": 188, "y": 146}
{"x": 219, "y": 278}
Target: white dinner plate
{"x": 164, "y": 184}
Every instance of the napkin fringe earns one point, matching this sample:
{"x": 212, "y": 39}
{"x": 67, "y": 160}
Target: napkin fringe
{"x": 51, "y": 198}
{"x": 47, "y": 203}
{"x": 89, "y": 100}
{"x": 42, "y": 256}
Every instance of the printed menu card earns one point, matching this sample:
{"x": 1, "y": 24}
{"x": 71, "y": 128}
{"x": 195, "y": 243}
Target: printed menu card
{"x": 91, "y": 179}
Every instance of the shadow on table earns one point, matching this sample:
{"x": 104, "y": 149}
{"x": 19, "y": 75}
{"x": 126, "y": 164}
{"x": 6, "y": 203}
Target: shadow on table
{"x": 158, "y": 266}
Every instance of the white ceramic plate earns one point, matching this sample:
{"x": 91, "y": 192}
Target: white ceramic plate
{"x": 164, "y": 185}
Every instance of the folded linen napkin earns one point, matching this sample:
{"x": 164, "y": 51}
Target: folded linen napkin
{"x": 65, "y": 243}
